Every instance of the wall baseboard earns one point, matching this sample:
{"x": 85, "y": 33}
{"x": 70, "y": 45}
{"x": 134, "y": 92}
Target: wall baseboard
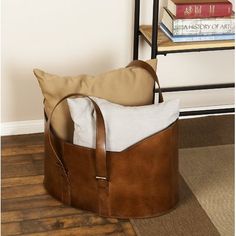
{"x": 22, "y": 127}
{"x": 37, "y": 126}
{"x": 206, "y": 108}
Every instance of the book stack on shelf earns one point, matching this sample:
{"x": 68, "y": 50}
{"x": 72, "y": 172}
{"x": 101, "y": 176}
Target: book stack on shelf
{"x": 198, "y": 20}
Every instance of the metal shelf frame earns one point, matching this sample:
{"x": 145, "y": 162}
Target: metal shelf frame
{"x": 155, "y": 52}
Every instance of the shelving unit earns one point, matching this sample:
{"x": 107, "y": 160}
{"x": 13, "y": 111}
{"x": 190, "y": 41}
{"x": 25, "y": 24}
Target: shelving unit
{"x": 161, "y": 45}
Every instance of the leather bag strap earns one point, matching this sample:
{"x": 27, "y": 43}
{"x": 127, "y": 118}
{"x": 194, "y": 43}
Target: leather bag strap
{"x": 144, "y": 65}
{"x": 101, "y": 164}
{"x": 100, "y": 156}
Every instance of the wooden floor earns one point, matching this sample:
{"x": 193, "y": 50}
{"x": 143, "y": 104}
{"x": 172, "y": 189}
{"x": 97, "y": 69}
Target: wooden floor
{"x": 26, "y": 207}
{"x": 28, "y": 210}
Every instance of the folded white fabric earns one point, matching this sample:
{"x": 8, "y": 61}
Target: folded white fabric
{"x": 124, "y": 125}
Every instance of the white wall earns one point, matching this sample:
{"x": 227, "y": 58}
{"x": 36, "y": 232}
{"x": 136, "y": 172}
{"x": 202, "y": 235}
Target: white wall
{"x": 78, "y": 36}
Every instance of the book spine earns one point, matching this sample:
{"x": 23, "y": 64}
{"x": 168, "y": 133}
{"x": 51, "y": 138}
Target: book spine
{"x": 203, "y": 38}
{"x": 188, "y": 11}
{"x": 194, "y": 38}
{"x": 203, "y": 26}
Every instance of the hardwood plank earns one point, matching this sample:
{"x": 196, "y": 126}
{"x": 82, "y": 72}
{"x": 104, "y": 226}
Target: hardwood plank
{"x": 26, "y": 158}
{"x": 15, "y": 140}
{"x": 107, "y": 229}
{"x": 23, "y": 191}
{"x": 29, "y": 202}
{"x": 22, "y": 149}
{"x": 10, "y": 229}
{"x": 22, "y": 169}
{"x": 12, "y": 182}
{"x": 55, "y": 223}
{"x": 47, "y": 219}
{"x": 39, "y": 213}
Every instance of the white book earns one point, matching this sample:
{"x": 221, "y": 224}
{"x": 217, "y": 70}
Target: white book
{"x": 198, "y": 26}
{"x": 195, "y": 38}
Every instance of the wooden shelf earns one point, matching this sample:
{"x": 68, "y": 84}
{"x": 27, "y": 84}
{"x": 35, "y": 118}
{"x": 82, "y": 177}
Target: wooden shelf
{"x": 165, "y": 45}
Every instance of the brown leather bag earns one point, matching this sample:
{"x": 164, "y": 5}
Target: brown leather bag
{"x": 140, "y": 181}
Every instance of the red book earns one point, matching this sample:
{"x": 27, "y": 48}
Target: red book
{"x": 188, "y": 9}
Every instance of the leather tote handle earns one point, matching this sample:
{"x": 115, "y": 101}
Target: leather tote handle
{"x": 147, "y": 67}
{"x": 100, "y": 152}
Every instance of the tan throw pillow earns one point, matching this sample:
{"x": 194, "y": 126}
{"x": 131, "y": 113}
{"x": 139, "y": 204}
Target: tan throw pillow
{"x": 132, "y": 86}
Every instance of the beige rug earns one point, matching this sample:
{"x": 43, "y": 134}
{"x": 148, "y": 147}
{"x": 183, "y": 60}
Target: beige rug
{"x": 206, "y": 196}
{"x": 209, "y": 172}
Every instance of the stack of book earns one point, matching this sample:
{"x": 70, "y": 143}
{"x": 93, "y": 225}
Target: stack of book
{"x": 198, "y": 20}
